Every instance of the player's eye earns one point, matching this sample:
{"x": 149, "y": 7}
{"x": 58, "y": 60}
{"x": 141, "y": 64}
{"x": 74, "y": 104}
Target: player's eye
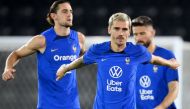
{"x": 142, "y": 33}
{"x": 125, "y": 29}
{"x": 116, "y": 28}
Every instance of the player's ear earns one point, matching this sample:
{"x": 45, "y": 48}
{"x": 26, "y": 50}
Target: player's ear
{"x": 109, "y": 29}
{"x": 53, "y": 15}
{"x": 130, "y": 30}
{"x": 153, "y": 32}
{"x": 130, "y": 26}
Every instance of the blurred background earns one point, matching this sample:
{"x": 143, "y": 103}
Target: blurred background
{"x": 28, "y": 17}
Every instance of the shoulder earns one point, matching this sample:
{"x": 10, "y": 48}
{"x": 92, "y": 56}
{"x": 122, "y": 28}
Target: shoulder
{"x": 135, "y": 46}
{"x": 81, "y": 36}
{"x": 38, "y": 41}
{"x": 100, "y": 47}
{"x": 38, "y": 38}
{"x": 48, "y": 31}
{"x": 141, "y": 48}
{"x": 165, "y": 52}
{"x": 136, "y": 49}
{"x": 103, "y": 45}
{"x": 81, "y": 39}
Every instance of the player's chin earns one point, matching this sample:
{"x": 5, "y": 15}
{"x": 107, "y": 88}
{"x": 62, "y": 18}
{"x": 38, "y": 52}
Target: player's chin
{"x": 141, "y": 43}
{"x": 68, "y": 25}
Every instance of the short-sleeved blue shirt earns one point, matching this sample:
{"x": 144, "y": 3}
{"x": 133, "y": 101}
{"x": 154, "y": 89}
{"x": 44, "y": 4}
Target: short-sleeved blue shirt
{"x": 116, "y": 74}
{"x": 152, "y": 81}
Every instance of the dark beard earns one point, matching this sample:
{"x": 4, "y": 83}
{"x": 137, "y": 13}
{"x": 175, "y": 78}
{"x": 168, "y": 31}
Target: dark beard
{"x": 144, "y": 44}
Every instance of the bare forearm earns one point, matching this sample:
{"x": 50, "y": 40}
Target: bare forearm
{"x": 75, "y": 64}
{"x": 169, "y": 99}
{"x": 171, "y": 96}
{"x": 12, "y": 60}
{"x": 160, "y": 61}
{"x": 9, "y": 70}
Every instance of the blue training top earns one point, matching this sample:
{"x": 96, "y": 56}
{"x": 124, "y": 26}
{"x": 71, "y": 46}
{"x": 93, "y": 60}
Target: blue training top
{"x": 152, "y": 82}
{"x": 116, "y": 74}
{"x": 59, "y": 50}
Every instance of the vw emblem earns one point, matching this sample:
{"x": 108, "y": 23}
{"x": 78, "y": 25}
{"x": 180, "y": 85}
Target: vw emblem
{"x": 115, "y": 72}
{"x": 145, "y": 81}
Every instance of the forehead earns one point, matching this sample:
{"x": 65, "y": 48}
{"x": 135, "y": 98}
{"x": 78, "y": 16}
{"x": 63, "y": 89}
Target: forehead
{"x": 64, "y": 6}
{"x": 120, "y": 23}
{"x": 142, "y": 28}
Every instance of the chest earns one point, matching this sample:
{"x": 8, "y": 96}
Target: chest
{"x": 62, "y": 50}
{"x": 154, "y": 73}
{"x": 116, "y": 67}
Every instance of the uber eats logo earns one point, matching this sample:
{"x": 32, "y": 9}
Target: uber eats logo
{"x": 114, "y": 85}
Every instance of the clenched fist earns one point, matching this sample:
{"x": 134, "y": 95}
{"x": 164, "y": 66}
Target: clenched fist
{"x": 61, "y": 72}
{"x": 8, "y": 74}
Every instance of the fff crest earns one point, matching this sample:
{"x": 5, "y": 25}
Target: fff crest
{"x": 155, "y": 68}
{"x": 127, "y": 60}
{"x": 74, "y": 48}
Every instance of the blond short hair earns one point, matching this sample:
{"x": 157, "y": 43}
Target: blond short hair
{"x": 119, "y": 17}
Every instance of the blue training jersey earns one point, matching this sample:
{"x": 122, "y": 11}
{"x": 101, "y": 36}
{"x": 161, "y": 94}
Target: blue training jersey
{"x": 116, "y": 74}
{"x": 59, "y": 50}
{"x": 152, "y": 81}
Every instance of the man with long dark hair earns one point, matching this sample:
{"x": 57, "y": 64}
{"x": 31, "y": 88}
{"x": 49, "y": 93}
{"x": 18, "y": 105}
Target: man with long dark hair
{"x": 58, "y": 45}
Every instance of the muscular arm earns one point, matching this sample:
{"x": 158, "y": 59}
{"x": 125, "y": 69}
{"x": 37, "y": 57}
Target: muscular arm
{"x": 37, "y": 43}
{"x": 171, "y": 96}
{"x": 81, "y": 38}
{"x": 172, "y": 63}
{"x": 73, "y": 65}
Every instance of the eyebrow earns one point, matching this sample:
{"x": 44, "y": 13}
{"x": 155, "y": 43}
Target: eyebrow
{"x": 66, "y": 9}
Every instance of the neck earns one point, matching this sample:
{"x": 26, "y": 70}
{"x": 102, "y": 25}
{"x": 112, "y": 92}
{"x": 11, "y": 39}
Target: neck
{"x": 61, "y": 30}
{"x": 151, "y": 48}
{"x": 117, "y": 48}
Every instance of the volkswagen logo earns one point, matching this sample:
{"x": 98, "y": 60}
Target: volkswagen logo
{"x": 115, "y": 72}
{"x": 145, "y": 81}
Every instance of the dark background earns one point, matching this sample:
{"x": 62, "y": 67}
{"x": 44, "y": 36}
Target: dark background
{"x": 27, "y": 17}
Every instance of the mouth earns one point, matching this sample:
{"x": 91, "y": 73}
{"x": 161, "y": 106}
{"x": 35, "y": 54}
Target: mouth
{"x": 69, "y": 20}
{"x": 120, "y": 38}
{"x": 140, "y": 42}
